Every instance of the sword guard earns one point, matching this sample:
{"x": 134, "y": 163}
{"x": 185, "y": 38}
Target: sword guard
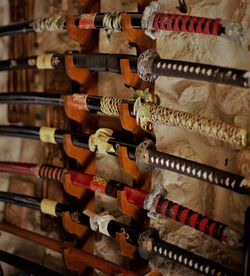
{"x": 145, "y": 242}
{"x": 157, "y": 192}
{"x": 141, "y": 154}
{"x": 145, "y": 65}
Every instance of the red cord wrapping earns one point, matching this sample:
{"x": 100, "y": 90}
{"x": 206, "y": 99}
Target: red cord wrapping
{"x": 189, "y": 217}
{"x": 185, "y": 23}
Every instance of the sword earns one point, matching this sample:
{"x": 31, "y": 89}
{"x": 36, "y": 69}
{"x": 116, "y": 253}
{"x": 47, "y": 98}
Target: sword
{"x": 145, "y": 154}
{"x": 147, "y": 114}
{"x": 153, "y": 21}
{"x": 148, "y": 242}
{"x": 155, "y": 202}
{"x": 148, "y": 65}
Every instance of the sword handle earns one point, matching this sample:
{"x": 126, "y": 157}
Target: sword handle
{"x": 202, "y": 72}
{"x": 197, "y": 170}
{"x": 186, "y": 23}
{"x": 150, "y": 245}
{"x": 222, "y": 131}
{"x": 168, "y": 208}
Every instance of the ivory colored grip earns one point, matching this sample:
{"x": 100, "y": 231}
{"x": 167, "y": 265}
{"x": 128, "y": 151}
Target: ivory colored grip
{"x": 48, "y": 207}
{"x": 47, "y": 134}
{"x": 219, "y": 130}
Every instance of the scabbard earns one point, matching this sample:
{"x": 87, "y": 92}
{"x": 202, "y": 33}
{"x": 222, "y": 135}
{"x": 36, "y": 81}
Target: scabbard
{"x": 44, "y": 61}
{"x": 43, "y": 98}
{"x": 26, "y": 265}
{"x": 16, "y": 28}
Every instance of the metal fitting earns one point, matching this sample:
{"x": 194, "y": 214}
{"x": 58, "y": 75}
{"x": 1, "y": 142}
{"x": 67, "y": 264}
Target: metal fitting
{"x": 157, "y": 192}
{"x": 145, "y": 65}
{"x": 233, "y": 30}
{"x": 145, "y": 242}
{"x": 148, "y": 20}
{"x": 141, "y": 155}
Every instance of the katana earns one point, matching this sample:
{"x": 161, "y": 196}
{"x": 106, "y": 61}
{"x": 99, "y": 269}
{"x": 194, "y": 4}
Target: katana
{"x": 149, "y": 66}
{"x": 26, "y": 265}
{"x": 148, "y": 243}
{"x": 153, "y": 20}
{"x": 147, "y": 113}
{"x": 105, "y": 141}
{"x": 155, "y": 202}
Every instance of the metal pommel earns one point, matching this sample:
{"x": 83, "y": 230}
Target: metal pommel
{"x": 145, "y": 64}
{"x": 145, "y": 243}
{"x": 141, "y": 155}
{"x": 233, "y": 30}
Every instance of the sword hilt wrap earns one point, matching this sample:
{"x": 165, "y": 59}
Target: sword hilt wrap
{"x": 219, "y": 130}
{"x": 147, "y": 157}
{"x": 150, "y": 66}
{"x": 150, "y": 244}
{"x": 154, "y": 21}
{"x": 157, "y": 203}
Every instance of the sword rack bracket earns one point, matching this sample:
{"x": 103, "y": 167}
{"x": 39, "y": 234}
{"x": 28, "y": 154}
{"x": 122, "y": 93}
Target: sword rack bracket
{"x": 127, "y": 121}
{"x": 72, "y": 227}
{"x": 86, "y": 38}
{"x": 127, "y": 207}
{"x": 76, "y": 191}
{"x": 127, "y": 164}
{"x": 82, "y": 76}
{"x": 136, "y": 36}
{"x": 126, "y": 249}
{"x": 73, "y": 111}
{"x": 77, "y": 153}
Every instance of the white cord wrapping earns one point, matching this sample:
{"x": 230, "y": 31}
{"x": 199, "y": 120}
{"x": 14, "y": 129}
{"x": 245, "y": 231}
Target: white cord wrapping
{"x": 99, "y": 222}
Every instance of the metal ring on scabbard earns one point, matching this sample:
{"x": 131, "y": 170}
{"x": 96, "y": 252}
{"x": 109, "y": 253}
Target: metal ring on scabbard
{"x": 145, "y": 64}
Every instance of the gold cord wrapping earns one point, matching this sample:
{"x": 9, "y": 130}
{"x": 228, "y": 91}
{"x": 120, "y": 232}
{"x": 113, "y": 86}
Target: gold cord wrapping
{"x": 48, "y": 207}
{"x": 147, "y": 114}
{"x": 208, "y": 127}
{"x": 109, "y": 106}
{"x": 98, "y": 142}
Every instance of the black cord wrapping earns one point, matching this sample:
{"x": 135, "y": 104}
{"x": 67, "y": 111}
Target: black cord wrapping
{"x": 197, "y": 170}
{"x": 189, "y": 259}
{"x": 197, "y": 71}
